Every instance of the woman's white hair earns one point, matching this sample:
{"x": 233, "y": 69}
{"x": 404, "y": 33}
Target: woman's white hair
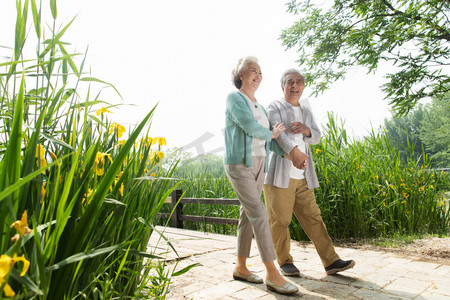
{"x": 242, "y": 66}
{"x": 289, "y": 72}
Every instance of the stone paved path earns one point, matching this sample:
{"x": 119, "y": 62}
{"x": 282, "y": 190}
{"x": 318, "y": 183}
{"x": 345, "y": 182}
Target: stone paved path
{"x": 376, "y": 275}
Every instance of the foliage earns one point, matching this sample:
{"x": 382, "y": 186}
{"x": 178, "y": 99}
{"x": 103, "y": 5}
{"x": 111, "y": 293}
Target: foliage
{"x": 435, "y": 131}
{"x": 210, "y": 163}
{"x": 88, "y": 197}
{"x": 412, "y": 35}
{"x": 403, "y": 133}
{"x": 424, "y": 131}
{"x": 203, "y": 176}
{"x": 366, "y": 190}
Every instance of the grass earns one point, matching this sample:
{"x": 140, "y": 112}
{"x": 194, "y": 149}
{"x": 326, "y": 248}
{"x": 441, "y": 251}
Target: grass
{"x": 365, "y": 191}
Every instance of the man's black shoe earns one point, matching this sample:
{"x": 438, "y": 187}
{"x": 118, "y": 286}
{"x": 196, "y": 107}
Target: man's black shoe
{"x": 289, "y": 270}
{"x": 339, "y": 265}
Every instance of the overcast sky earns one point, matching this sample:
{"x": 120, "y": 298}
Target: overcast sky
{"x": 180, "y": 54}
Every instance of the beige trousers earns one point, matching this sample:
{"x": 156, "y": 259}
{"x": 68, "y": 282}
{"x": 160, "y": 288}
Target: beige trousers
{"x": 299, "y": 199}
{"x": 248, "y": 183}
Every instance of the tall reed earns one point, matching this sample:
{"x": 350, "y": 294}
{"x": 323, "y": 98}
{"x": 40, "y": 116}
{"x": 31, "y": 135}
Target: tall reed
{"x": 88, "y": 196}
{"x": 365, "y": 190}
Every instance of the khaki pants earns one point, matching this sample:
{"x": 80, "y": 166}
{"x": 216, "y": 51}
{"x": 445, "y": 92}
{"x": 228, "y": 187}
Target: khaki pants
{"x": 248, "y": 183}
{"x": 299, "y": 199}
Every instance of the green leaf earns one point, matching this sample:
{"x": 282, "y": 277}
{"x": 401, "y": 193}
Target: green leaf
{"x": 36, "y": 18}
{"x": 53, "y": 8}
{"x": 84, "y": 255}
{"x": 184, "y": 270}
{"x": 21, "y": 181}
{"x": 93, "y": 79}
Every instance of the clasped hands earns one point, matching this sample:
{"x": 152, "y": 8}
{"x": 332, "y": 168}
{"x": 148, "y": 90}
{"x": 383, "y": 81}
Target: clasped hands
{"x": 298, "y": 158}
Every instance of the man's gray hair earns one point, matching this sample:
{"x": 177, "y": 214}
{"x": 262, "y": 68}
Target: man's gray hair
{"x": 289, "y": 72}
{"x": 241, "y": 67}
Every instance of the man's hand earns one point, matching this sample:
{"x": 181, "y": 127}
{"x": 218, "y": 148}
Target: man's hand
{"x": 297, "y": 127}
{"x": 299, "y": 159}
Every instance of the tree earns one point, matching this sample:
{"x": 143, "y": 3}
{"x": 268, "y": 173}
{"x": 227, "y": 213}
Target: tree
{"x": 413, "y": 35}
{"x": 403, "y": 133}
{"x": 435, "y": 132}
{"x": 424, "y": 129}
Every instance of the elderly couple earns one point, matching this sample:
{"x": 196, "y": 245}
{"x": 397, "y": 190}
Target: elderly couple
{"x": 275, "y": 142}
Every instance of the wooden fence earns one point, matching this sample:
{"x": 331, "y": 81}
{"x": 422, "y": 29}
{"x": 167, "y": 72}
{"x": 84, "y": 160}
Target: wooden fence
{"x": 178, "y": 217}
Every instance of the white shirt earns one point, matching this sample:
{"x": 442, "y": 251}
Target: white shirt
{"x": 297, "y": 173}
{"x": 258, "y": 145}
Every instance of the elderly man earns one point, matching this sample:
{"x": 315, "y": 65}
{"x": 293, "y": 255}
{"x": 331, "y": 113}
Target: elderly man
{"x": 289, "y": 186}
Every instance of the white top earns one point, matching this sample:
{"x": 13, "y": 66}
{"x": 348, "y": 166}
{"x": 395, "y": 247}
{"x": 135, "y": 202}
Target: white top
{"x": 297, "y": 173}
{"x": 258, "y": 145}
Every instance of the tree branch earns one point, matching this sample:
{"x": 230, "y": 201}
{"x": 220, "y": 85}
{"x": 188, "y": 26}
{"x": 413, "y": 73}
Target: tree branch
{"x": 445, "y": 34}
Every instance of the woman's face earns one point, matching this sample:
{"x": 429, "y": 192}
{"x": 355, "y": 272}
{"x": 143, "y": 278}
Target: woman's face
{"x": 251, "y": 78}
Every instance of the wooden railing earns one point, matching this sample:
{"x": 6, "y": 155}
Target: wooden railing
{"x": 177, "y": 208}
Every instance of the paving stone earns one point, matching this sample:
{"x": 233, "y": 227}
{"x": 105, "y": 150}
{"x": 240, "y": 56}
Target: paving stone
{"x": 434, "y": 296}
{"x": 340, "y": 279}
{"x": 378, "y": 280}
{"x": 393, "y": 271}
{"x": 407, "y": 287}
{"x": 369, "y": 285}
{"x": 376, "y": 275}
{"x": 443, "y": 270}
{"x": 376, "y": 295}
{"x": 218, "y": 291}
{"x": 249, "y": 293}
{"x": 440, "y": 286}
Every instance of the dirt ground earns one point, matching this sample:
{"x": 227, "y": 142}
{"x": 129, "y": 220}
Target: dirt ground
{"x": 430, "y": 249}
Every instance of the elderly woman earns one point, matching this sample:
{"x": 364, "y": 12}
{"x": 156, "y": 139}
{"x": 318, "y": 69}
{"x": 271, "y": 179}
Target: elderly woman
{"x": 248, "y": 139}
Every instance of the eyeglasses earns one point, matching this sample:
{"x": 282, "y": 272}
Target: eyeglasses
{"x": 292, "y": 83}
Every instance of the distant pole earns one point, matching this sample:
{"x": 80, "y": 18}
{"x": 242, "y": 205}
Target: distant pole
{"x": 176, "y": 208}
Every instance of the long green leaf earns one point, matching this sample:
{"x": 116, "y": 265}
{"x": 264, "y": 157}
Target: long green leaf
{"x": 53, "y": 8}
{"x": 84, "y": 255}
{"x": 184, "y": 270}
{"x": 36, "y": 18}
{"x": 13, "y": 151}
{"x": 101, "y": 81}
{"x": 14, "y": 187}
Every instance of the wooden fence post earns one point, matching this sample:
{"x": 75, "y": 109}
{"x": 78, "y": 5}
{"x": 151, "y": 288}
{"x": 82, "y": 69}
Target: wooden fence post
{"x": 176, "y": 219}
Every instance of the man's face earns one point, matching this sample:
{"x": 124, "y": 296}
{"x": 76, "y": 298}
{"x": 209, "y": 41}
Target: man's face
{"x": 293, "y": 88}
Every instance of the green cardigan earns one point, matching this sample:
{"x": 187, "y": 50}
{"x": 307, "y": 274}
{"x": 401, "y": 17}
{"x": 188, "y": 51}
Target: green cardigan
{"x": 240, "y": 129}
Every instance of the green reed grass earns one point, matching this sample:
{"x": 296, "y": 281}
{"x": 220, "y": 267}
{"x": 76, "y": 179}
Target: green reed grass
{"x": 205, "y": 183}
{"x": 91, "y": 198}
{"x": 366, "y": 190}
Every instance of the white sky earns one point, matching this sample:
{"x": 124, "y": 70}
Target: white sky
{"x": 180, "y": 53}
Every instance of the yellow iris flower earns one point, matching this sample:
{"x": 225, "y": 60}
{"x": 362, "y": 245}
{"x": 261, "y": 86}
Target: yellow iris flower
{"x": 40, "y": 151}
{"x": 22, "y": 225}
{"x": 162, "y": 141}
{"x": 40, "y": 155}
{"x": 88, "y": 196}
{"x": 99, "y": 163}
{"x": 6, "y": 264}
{"x": 120, "y": 129}
{"x": 103, "y": 110}
{"x": 115, "y": 182}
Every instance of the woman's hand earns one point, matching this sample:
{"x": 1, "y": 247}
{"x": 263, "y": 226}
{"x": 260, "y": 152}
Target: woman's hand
{"x": 277, "y": 130}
